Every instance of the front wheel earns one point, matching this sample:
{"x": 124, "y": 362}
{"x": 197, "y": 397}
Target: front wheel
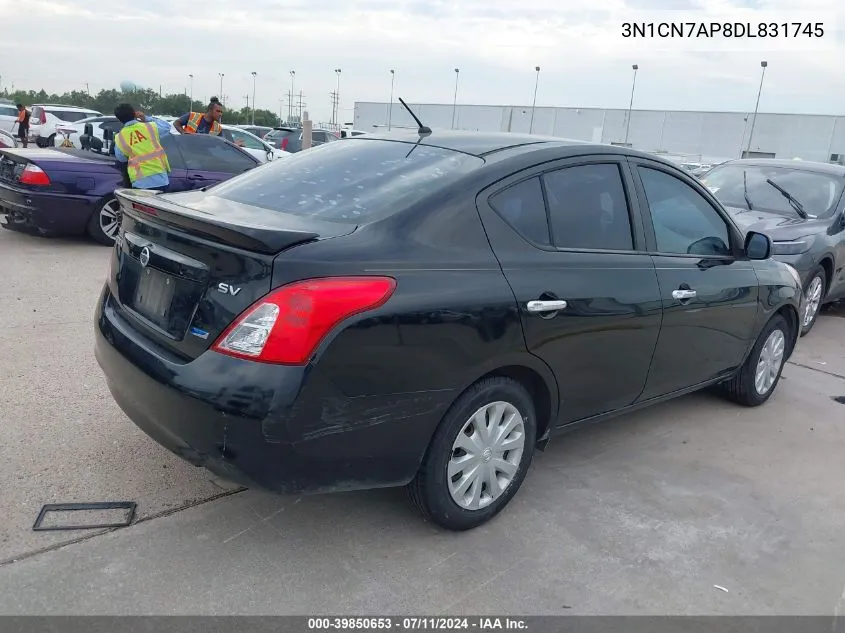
{"x": 105, "y": 222}
{"x": 479, "y": 455}
{"x": 759, "y": 375}
{"x": 813, "y": 295}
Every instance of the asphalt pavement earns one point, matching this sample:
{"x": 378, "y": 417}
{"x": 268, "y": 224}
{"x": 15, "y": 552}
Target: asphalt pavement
{"x": 696, "y": 506}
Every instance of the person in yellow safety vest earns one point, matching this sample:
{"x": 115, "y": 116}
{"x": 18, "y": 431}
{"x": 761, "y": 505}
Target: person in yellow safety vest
{"x": 202, "y": 123}
{"x": 138, "y": 144}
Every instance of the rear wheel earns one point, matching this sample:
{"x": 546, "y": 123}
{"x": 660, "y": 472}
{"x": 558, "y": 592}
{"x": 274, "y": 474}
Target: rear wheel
{"x": 479, "y": 455}
{"x": 759, "y": 376}
{"x": 51, "y": 141}
{"x": 813, "y": 296}
{"x": 105, "y": 222}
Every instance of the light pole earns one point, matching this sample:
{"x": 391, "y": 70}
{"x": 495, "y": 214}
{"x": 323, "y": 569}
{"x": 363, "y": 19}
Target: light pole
{"x": 191, "y": 104}
{"x": 455, "y": 102}
{"x": 534, "y": 104}
{"x": 337, "y": 97}
{"x": 631, "y": 103}
{"x": 290, "y": 105}
{"x": 757, "y": 105}
{"x": 254, "y": 75}
{"x": 221, "y": 85}
{"x": 390, "y": 105}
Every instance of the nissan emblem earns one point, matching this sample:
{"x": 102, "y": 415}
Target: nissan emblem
{"x": 145, "y": 256}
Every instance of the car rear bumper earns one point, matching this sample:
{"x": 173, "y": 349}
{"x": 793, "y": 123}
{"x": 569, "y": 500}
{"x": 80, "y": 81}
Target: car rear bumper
{"x": 51, "y": 212}
{"x": 282, "y": 428}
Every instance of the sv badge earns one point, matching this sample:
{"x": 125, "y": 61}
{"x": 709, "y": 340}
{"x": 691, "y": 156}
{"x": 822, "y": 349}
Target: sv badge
{"x": 227, "y": 289}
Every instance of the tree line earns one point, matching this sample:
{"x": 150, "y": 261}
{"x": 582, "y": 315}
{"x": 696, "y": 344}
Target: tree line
{"x": 147, "y": 100}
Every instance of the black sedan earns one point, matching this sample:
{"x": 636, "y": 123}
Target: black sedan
{"x": 800, "y": 206}
{"x": 427, "y": 310}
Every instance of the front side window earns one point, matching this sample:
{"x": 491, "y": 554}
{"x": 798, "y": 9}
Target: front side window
{"x": 208, "y": 153}
{"x": 684, "y": 221}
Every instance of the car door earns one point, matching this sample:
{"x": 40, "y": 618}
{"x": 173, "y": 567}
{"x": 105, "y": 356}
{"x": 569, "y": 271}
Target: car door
{"x": 836, "y": 231}
{"x": 8, "y": 117}
{"x": 708, "y": 288}
{"x": 574, "y": 255}
{"x": 178, "y": 170}
{"x": 210, "y": 160}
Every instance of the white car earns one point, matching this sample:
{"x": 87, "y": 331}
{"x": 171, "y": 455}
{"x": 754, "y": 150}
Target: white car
{"x": 7, "y": 141}
{"x": 8, "y": 116}
{"x": 251, "y": 143}
{"x": 46, "y": 119}
{"x": 348, "y": 132}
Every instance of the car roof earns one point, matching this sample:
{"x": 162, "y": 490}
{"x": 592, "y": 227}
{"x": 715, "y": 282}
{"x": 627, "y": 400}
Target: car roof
{"x": 798, "y": 165}
{"x": 505, "y": 144}
{"x": 64, "y": 107}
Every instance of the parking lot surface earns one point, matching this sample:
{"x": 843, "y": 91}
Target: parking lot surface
{"x": 644, "y": 514}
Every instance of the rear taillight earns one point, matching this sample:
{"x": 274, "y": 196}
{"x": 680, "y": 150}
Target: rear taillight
{"x": 34, "y": 175}
{"x": 43, "y": 118}
{"x": 285, "y": 142}
{"x": 144, "y": 209}
{"x": 286, "y": 326}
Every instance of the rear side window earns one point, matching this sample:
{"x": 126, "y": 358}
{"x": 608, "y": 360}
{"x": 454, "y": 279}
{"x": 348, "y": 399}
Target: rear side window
{"x": 207, "y": 153}
{"x": 521, "y": 206}
{"x": 588, "y": 208}
{"x": 351, "y": 181}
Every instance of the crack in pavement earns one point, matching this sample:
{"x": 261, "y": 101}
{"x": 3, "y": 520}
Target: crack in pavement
{"x": 811, "y": 368}
{"x": 157, "y": 515}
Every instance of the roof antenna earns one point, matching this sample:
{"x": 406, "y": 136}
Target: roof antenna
{"x": 423, "y": 129}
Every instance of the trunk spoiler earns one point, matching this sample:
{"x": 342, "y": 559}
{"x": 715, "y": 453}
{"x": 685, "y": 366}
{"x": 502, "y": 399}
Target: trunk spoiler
{"x": 242, "y": 226}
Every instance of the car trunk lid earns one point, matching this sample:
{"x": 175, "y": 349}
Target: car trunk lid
{"x": 186, "y": 265}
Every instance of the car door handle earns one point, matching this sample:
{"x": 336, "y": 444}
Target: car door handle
{"x": 545, "y": 306}
{"x": 683, "y": 294}
{"x": 197, "y": 177}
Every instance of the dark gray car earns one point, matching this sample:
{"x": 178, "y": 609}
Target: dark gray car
{"x": 800, "y": 206}
{"x": 289, "y": 139}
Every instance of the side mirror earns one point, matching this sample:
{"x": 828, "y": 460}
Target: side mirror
{"x": 757, "y": 245}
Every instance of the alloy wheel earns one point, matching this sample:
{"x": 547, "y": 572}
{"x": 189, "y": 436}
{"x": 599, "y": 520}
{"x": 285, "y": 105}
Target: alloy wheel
{"x": 486, "y": 455}
{"x": 110, "y": 218}
{"x": 769, "y": 362}
{"x": 812, "y": 300}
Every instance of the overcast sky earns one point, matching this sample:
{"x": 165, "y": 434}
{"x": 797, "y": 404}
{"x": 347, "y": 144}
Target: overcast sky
{"x": 62, "y": 44}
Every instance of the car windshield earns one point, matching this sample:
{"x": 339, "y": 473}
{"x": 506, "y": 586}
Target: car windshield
{"x": 349, "y": 181}
{"x": 818, "y": 193}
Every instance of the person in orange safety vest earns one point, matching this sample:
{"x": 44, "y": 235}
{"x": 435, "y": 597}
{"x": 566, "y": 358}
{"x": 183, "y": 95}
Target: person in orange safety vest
{"x": 202, "y": 123}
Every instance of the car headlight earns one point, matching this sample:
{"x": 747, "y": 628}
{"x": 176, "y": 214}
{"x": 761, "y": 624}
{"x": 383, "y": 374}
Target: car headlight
{"x": 794, "y": 247}
{"x": 794, "y": 274}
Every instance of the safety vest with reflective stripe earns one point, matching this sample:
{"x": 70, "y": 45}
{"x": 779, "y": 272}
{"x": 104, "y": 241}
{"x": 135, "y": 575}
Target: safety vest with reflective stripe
{"x": 141, "y": 144}
{"x": 193, "y": 124}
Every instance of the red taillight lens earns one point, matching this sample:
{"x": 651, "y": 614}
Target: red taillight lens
{"x": 43, "y": 117}
{"x": 285, "y": 142}
{"x": 34, "y": 175}
{"x": 286, "y": 326}
{"x": 144, "y": 209}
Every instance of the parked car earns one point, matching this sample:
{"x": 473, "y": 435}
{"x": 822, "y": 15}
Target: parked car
{"x": 800, "y": 206}
{"x": 7, "y": 139}
{"x": 289, "y": 139}
{"x": 8, "y": 116}
{"x": 347, "y": 132}
{"x": 259, "y": 130}
{"x": 393, "y": 310}
{"x": 46, "y": 119}
{"x": 69, "y": 191}
{"x": 247, "y": 141}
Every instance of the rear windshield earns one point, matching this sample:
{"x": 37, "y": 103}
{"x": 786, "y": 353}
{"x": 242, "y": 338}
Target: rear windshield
{"x": 70, "y": 117}
{"x": 349, "y": 181}
{"x": 274, "y": 134}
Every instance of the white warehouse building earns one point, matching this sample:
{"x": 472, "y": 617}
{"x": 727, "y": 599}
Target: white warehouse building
{"x": 705, "y": 136}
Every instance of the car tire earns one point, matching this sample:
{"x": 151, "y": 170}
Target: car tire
{"x": 105, "y": 221}
{"x": 496, "y": 403}
{"x": 51, "y": 141}
{"x": 759, "y": 375}
{"x": 817, "y": 286}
